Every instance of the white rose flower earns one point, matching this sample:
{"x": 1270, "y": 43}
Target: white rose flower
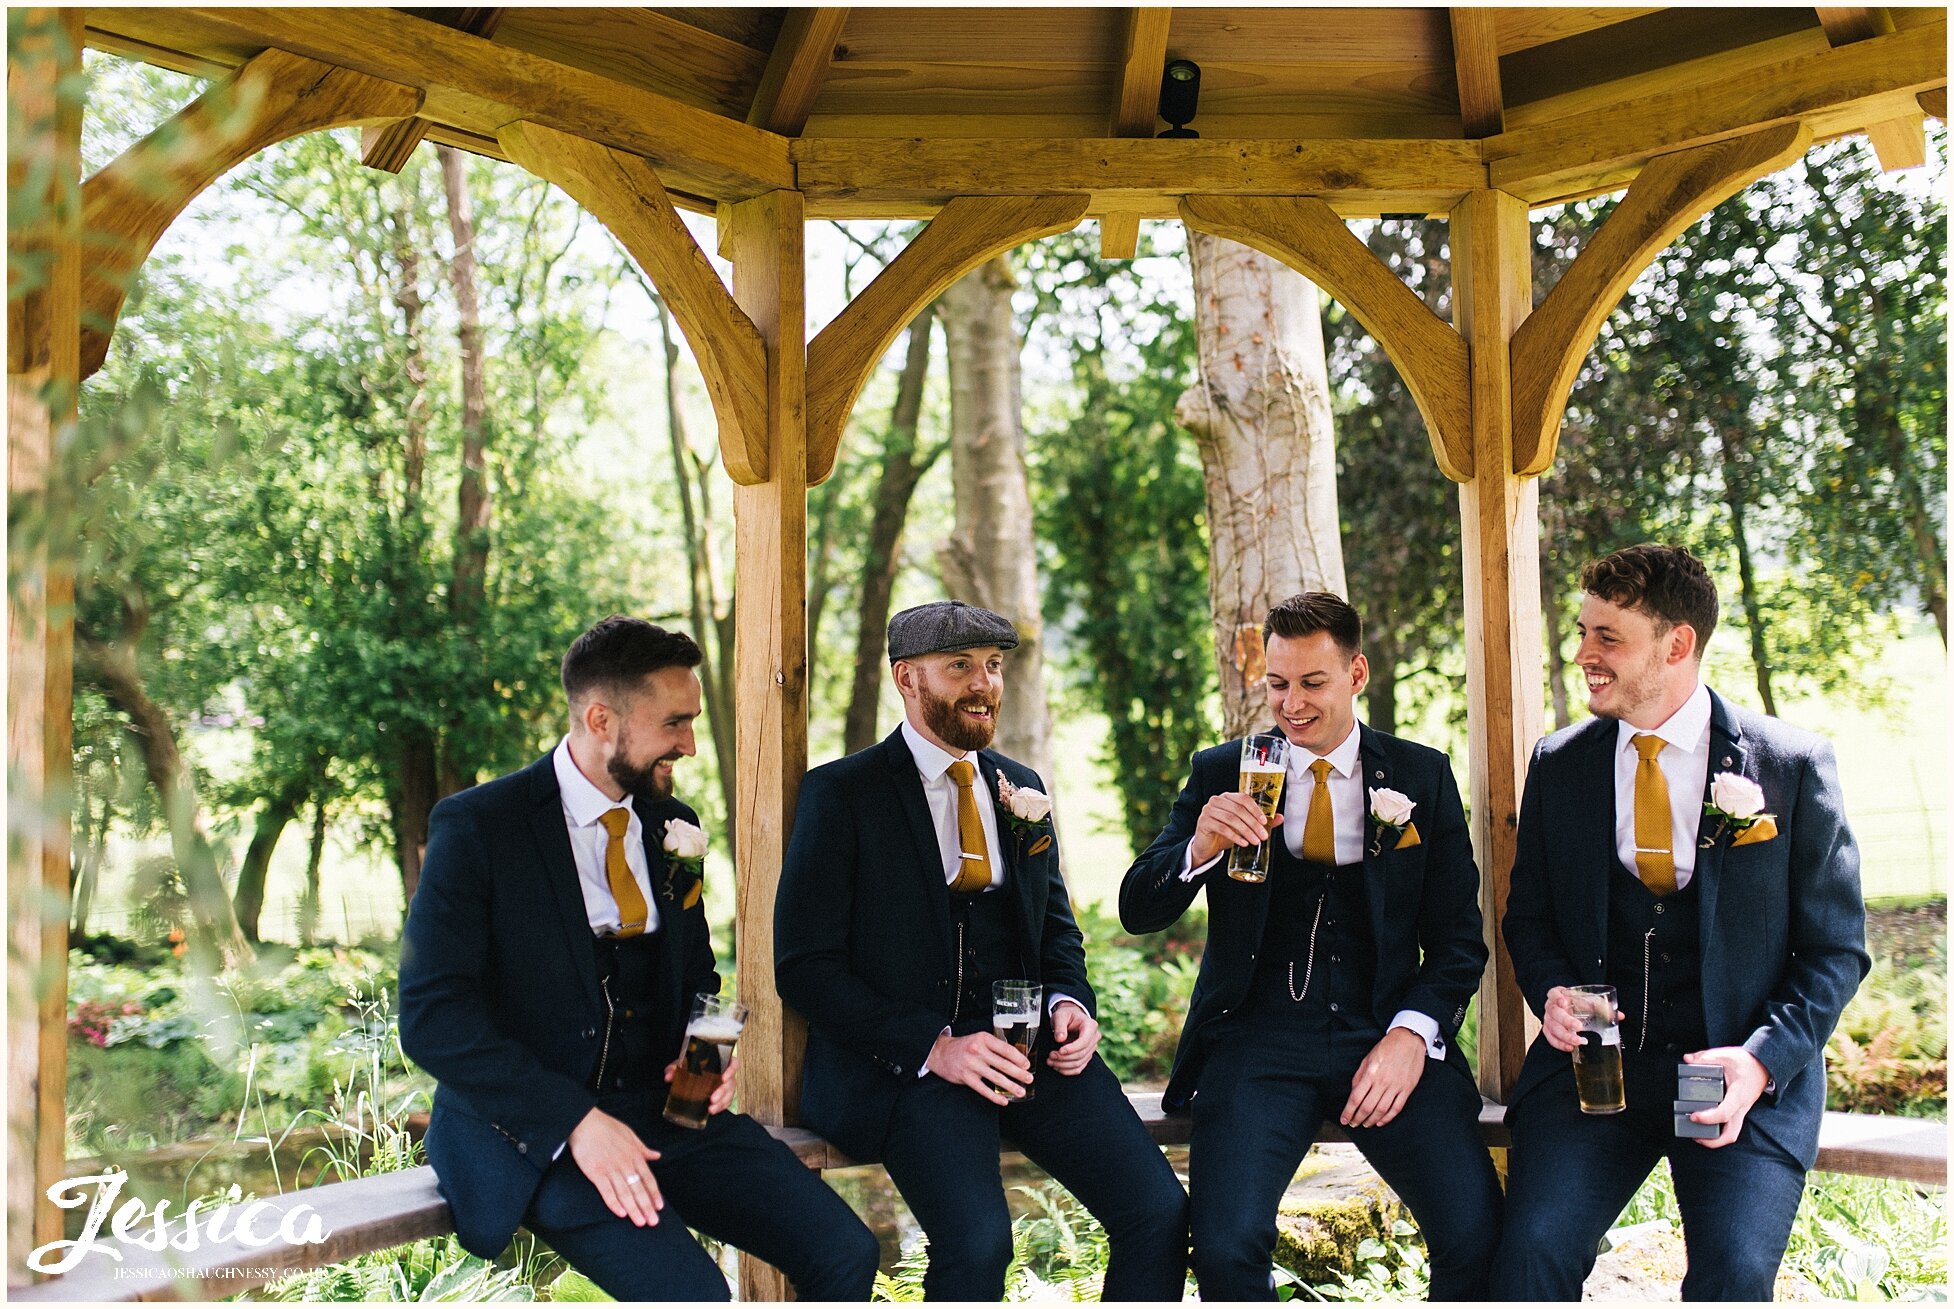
{"x": 1391, "y": 808}
{"x": 1737, "y": 796}
{"x": 1029, "y": 804}
{"x": 684, "y": 840}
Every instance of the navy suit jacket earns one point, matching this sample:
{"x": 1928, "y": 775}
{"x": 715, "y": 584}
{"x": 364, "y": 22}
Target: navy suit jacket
{"x": 864, "y": 946}
{"x": 1424, "y": 901}
{"x": 498, "y": 990}
{"x": 1783, "y": 925}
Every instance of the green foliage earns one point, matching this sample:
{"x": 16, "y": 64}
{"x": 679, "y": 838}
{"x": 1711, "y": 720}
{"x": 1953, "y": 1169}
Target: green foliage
{"x": 1121, "y": 498}
{"x": 1889, "y": 1051}
{"x": 1143, "y": 986}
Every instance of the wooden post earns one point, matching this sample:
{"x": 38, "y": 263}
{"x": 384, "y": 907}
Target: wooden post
{"x": 1500, "y": 531}
{"x": 43, "y": 374}
{"x": 770, "y": 659}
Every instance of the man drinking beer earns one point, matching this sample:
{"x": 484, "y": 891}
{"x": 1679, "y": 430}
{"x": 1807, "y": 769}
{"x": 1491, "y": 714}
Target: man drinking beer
{"x": 1693, "y": 856}
{"x": 1335, "y": 984}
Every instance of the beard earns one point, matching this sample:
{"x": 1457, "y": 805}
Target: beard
{"x": 640, "y": 781}
{"x": 944, "y": 718}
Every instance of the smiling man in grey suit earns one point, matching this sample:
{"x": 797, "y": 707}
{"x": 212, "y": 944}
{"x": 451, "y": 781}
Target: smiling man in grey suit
{"x": 1731, "y": 927}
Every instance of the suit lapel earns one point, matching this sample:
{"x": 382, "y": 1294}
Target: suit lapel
{"x": 1007, "y": 855}
{"x": 653, "y": 818}
{"x": 907, "y": 785}
{"x": 1373, "y": 770}
{"x": 558, "y": 869}
{"x": 1726, "y": 756}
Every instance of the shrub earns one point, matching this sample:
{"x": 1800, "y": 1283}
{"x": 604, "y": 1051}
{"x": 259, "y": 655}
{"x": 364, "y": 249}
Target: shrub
{"x": 1143, "y": 985}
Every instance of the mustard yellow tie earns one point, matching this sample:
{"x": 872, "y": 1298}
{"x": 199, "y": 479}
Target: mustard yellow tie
{"x": 974, "y": 873}
{"x": 631, "y": 907}
{"x": 1655, "y": 855}
{"x": 1320, "y": 829}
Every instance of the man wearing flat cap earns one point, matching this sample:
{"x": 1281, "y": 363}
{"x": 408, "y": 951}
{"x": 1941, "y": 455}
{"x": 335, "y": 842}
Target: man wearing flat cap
{"x": 921, "y": 871}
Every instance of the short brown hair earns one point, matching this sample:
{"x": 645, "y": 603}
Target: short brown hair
{"x": 1666, "y": 582}
{"x": 617, "y": 654}
{"x": 1313, "y": 612}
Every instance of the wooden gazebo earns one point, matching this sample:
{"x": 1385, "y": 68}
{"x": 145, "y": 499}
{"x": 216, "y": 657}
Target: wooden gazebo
{"x": 1000, "y": 126}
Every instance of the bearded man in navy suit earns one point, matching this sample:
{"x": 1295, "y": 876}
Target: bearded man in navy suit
{"x": 1336, "y": 986}
{"x": 551, "y": 955}
{"x": 912, "y": 883}
{"x": 1695, "y": 856}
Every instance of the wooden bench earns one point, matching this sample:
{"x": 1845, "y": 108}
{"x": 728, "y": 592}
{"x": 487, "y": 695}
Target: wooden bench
{"x": 375, "y": 1213}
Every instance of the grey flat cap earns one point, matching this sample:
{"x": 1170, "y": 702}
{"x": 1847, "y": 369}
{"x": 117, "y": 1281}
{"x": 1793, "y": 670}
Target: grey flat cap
{"x": 947, "y": 625}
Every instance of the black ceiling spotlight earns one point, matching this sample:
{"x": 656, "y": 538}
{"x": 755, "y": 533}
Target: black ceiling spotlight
{"x": 1180, "y": 88}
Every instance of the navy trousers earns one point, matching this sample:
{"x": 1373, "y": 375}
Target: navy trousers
{"x": 942, "y": 1154}
{"x": 1571, "y": 1174}
{"x": 730, "y": 1180}
{"x": 1258, "y": 1109}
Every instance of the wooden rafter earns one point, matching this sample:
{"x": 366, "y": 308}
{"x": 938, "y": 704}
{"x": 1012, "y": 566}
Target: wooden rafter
{"x": 1143, "y": 53}
{"x": 1670, "y": 194}
{"x": 624, "y": 193}
{"x": 1309, "y": 236}
{"x": 1832, "y": 91}
{"x": 967, "y": 232}
{"x": 129, "y": 204}
{"x": 1898, "y": 142}
{"x": 388, "y": 146}
{"x": 477, "y": 87}
{"x": 796, "y": 69}
{"x": 1475, "y": 57}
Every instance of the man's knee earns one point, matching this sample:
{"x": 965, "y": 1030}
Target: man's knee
{"x": 980, "y": 1248}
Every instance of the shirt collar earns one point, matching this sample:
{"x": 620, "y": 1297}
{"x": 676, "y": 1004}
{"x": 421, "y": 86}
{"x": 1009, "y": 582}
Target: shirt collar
{"x": 1343, "y": 759}
{"x": 1686, "y": 729}
{"x": 932, "y": 760}
{"x": 581, "y": 799}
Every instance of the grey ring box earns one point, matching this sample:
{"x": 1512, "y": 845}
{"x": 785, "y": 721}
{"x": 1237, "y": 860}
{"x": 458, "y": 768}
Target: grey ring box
{"x": 1698, "y": 1087}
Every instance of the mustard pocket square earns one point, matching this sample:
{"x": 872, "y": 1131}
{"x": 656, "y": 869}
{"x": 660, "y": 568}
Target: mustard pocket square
{"x": 1764, "y": 829}
{"x": 1041, "y": 845}
{"x": 693, "y": 893}
{"x": 1408, "y": 838}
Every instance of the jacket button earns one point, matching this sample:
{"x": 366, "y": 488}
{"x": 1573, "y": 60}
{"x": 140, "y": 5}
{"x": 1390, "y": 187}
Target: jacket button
{"x": 522, "y": 1147}
{"x": 1659, "y": 908}
{"x": 1665, "y": 958}
{"x": 590, "y": 1034}
{"x": 1336, "y": 958}
{"x": 1333, "y": 1007}
{"x": 898, "y": 1068}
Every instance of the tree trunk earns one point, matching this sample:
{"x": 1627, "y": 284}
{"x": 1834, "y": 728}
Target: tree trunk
{"x": 699, "y": 576}
{"x": 315, "y": 857}
{"x": 903, "y": 466}
{"x": 412, "y": 793}
{"x": 407, "y": 298}
{"x": 88, "y": 873}
{"x": 1734, "y": 496}
{"x": 112, "y": 669}
{"x": 1260, "y": 414}
{"x": 991, "y": 558}
{"x": 248, "y": 900}
{"x": 473, "y": 504}
{"x": 1381, "y": 696}
{"x": 1556, "y": 648}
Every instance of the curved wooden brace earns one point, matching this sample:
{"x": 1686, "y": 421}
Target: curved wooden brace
{"x": 1428, "y": 352}
{"x": 625, "y": 195}
{"x": 1668, "y": 195}
{"x": 130, "y": 203}
{"x": 964, "y": 233}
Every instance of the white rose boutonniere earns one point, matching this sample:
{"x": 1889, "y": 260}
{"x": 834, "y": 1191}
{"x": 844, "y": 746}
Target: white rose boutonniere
{"x": 1391, "y": 812}
{"x": 1027, "y": 812}
{"x": 685, "y": 851}
{"x": 1737, "y": 803}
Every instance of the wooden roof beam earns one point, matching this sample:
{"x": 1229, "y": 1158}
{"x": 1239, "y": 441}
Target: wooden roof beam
{"x": 1145, "y": 176}
{"x": 796, "y": 69}
{"x": 1833, "y": 91}
{"x": 387, "y": 146}
{"x": 1475, "y": 56}
{"x": 1898, "y": 142}
{"x": 1136, "y": 105}
{"x": 479, "y": 87}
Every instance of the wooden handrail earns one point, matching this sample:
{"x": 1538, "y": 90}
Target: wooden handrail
{"x": 374, "y": 1213}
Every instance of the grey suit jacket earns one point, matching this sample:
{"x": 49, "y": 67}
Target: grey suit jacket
{"x": 1783, "y": 924}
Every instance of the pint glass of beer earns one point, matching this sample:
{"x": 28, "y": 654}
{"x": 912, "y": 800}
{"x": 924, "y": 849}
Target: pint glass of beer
{"x": 1598, "y": 1059}
{"x": 709, "y": 1036}
{"x": 1265, "y": 762}
{"x": 1017, "y": 1007}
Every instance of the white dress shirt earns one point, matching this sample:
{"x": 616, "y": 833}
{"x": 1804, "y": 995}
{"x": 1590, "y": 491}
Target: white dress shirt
{"x": 1348, "y": 809}
{"x": 583, "y": 806}
{"x": 1685, "y": 763}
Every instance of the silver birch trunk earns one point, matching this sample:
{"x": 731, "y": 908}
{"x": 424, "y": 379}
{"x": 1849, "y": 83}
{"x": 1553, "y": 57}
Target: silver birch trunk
{"x": 991, "y": 558}
{"x": 1260, "y": 414}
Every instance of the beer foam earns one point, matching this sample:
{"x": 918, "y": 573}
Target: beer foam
{"x": 720, "y": 1031}
{"x": 1263, "y": 768}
